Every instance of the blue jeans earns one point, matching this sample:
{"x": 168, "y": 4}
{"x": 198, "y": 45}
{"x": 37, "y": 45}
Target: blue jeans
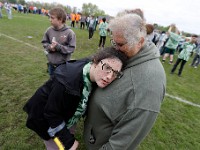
{"x": 51, "y": 69}
{"x": 196, "y": 60}
{"x": 0, "y": 13}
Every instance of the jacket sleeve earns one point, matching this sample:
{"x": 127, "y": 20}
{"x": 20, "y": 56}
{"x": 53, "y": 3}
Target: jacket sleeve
{"x": 69, "y": 46}
{"x": 55, "y": 112}
{"x": 61, "y": 136}
{"x": 46, "y": 42}
{"x": 132, "y": 130}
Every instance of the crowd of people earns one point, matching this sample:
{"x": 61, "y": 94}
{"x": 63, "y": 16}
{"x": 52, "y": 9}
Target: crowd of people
{"x": 8, "y": 8}
{"x": 168, "y": 42}
{"x": 130, "y": 69}
{"x": 21, "y": 9}
{"x": 172, "y": 42}
{"x": 90, "y": 23}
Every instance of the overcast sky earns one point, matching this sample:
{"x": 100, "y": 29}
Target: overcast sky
{"x": 184, "y": 13}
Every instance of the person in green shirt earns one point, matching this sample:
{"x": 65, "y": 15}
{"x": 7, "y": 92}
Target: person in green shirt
{"x": 172, "y": 43}
{"x": 103, "y": 33}
{"x": 184, "y": 55}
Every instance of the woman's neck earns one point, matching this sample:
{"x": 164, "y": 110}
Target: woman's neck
{"x": 92, "y": 72}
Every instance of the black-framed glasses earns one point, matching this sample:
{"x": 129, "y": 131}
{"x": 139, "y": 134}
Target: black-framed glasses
{"x": 117, "y": 45}
{"x": 108, "y": 69}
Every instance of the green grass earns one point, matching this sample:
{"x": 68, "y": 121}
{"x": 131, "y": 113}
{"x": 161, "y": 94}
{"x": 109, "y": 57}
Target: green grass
{"x": 23, "y": 70}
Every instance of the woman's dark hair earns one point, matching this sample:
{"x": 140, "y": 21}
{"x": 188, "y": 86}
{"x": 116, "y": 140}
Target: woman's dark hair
{"x": 109, "y": 52}
{"x": 104, "y": 19}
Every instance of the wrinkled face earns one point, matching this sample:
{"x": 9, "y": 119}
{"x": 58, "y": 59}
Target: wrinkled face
{"x": 120, "y": 43}
{"x": 106, "y": 71}
{"x": 55, "y": 22}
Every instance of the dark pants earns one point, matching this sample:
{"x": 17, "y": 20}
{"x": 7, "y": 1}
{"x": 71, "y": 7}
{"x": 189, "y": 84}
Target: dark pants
{"x": 72, "y": 23}
{"x": 196, "y": 60}
{"x": 91, "y": 32}
{"x": 102, "y": 41}
{"x": 177, "y": 63}
{"x": 51, "y": 69}
{"x": 82, "y": 26}
{"x": 87, "y": 25}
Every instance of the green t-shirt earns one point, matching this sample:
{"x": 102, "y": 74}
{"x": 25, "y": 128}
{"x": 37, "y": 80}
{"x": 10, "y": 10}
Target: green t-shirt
{"x": 186, "y": 52}
{"x": 173, "y": 41}
{"x": 103, "y": 29}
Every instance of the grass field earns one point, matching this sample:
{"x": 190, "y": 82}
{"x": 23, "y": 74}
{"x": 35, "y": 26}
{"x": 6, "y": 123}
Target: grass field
{"x": 23, "y": 70}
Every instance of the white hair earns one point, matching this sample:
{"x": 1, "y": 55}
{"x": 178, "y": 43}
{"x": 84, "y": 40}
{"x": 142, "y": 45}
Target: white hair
{"x": 131, "y": 26}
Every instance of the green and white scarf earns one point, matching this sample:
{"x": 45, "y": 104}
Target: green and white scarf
{"x": 87, "y": 88}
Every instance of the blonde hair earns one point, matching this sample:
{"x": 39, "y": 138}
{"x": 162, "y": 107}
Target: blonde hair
{"x": 174, "y": 29}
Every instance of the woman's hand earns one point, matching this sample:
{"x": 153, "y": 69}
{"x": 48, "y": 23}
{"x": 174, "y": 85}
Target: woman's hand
{"x": 74, "y": 146}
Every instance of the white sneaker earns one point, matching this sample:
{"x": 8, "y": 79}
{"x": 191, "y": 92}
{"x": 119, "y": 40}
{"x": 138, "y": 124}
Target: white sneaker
{"x": 195, "y": 66}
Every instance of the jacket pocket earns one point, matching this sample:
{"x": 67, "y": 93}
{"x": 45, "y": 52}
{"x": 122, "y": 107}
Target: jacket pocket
{"x": 92, "y": 138}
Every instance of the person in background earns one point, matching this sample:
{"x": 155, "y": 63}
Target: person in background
{"x": 83, "y": 21}
{"x": 121, "y": 115}
{"x": 150, "y": 32}
{"x": 73, "y": 18}
{"x": 196, "y": 59}
{"x": 25, "y": 9}
{"x": 156, "y": 34}
{"x": 56, "y": 106}
{"x": 1, "y": 6}
{"x": 103, "y": 33}
{"x": 172, "y": 43}
{"x": 92, "y": 24}
{"x": 59, "y": 41}
{"x": 8, "y": 8}
{"x": 97, "y": 22}
{"x": 87, "y": 22}
{"x": 161, "y": 40}
{"x": 184, "y": 55}
{"x": 77, "y": 18}
{"x": 35, "y": 9}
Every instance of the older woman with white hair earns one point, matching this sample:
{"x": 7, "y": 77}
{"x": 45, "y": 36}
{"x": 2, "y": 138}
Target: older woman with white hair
{"x": 122, "y": 114}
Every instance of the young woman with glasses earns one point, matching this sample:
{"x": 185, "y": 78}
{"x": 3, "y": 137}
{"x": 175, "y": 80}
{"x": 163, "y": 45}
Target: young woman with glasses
{"x": 58, "y": 104}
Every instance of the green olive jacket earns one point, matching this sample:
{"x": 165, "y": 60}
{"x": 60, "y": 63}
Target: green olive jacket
{"x": 122, "y": 114}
